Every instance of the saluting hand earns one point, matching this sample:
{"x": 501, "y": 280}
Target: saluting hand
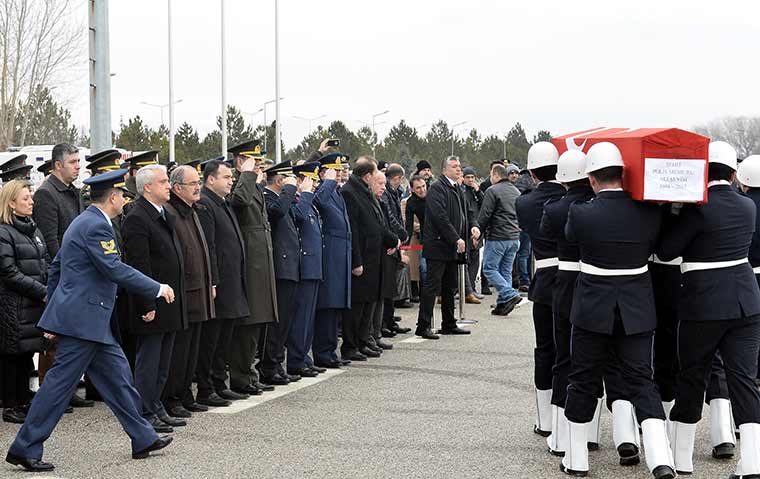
{"x": 330, "y": 174}
{"x": 149, "y": 316}
{"x": 306, "y": 185}
{"x": 167, "y": 293}
{"x": 248, "y": 165}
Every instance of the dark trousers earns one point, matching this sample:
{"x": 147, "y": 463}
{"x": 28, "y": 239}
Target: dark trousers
{"x": 441, "y": 276}
{"x": 326, "y": 324}
{"x": 389, "y": 310}
{"x": 356, "y": 327}
{"x": 152, "y": 362}
{"x": 184, "y": 359}
{"x": 109, "y": 371}
{"x": 376, "y": 324}
{"x": 214, "y": 344}
{"x": 248, "y": 341}
{"x": 473, "y": 264}
{"x": 590, "y": 353}
{"x": 738, "y": 342}
{"x": 561, "y": 370}
{"x": 302, "y": 327}
{"x": 274, "y": 353}
{"x": 14, "y": 379}
{"x": 544, "y": 353}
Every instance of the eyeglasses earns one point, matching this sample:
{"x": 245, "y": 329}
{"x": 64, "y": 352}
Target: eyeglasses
{"x": 192, "y": 183}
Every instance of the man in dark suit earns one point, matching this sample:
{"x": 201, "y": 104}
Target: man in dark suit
{"x": 227, "y": 252}
{"x": 448, "y": 233}
{"x": 613, "y": 310}
{"x": 81, "y": 293}
{"x": 542, "y": 163}
{"x": 370, "y": 240}
{"x": 280, "y": 194}
{"x": 718, "y": 311}
{"x": 58, "y": 203}
{"x": 151, "y": 246}
{"x": 334, "y": 297}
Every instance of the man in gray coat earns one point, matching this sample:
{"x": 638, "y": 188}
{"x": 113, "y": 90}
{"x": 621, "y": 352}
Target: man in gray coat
{"x": 498, "y": 218}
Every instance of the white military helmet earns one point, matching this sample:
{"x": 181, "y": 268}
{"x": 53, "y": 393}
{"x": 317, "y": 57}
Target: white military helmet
{"x": 571, "y": 166}
{"x": 723, "y": 153}
{"x": 748, "y": 173}
{"x": 603, "y": 155}
{"x": 541, "y": 154}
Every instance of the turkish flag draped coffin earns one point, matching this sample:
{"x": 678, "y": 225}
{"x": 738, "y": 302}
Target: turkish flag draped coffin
{"x": 661, "y": 164}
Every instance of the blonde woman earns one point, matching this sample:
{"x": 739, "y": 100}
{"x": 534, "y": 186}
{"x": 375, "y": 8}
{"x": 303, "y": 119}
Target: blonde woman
{"x": 23, "y": 275}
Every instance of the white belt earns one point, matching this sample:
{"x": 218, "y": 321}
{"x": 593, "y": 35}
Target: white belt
{"x": 593, "y": 270}
{"x": 570, "y": 266}
{"x": 756, "y": 270}
{"x": 686, "y": 267}
{"x": 546, "y": 263}
{"x": 673, "y": 262}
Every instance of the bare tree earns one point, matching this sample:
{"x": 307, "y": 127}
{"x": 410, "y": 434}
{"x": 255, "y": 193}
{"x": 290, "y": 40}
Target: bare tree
{"x": 741, "y": 132}
{"x": 39, "y": 43}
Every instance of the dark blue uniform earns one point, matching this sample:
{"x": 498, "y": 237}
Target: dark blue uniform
{"x": 82, "y": 285}
{"x": 334, "y": 298}
{"x": 310, "y": 233}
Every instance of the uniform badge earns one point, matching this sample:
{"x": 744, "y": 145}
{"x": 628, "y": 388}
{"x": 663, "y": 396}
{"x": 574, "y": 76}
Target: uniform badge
{"x": 109, "y": 247}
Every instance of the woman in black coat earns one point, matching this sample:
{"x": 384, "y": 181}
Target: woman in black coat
{"x": 23, "y": 275}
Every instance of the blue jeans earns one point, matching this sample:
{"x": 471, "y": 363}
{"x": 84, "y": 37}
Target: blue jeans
{"x": 498, "y": 257}
{"x": 523, "y": 259}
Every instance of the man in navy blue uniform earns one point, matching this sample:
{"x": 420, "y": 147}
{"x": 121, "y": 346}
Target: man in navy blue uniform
{"x": 542, "y": 163}
{"x": 613, "y": 313}
{"x": 334, "y": 299}
{"x": 719, "y": 310}
{"x": 301, "y": 334}
{"x": 81, "y": 295}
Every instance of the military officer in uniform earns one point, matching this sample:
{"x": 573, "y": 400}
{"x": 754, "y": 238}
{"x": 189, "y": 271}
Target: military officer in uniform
{"x": 15, "y": 169}
{"x": 719, "y": 310}
{"x": 81, "y": 289}
{"x": 133, "y": 164}
{"x": 613, "y": 310}
{"x": 542, "y": 163}
{"x": 334, "y": 298}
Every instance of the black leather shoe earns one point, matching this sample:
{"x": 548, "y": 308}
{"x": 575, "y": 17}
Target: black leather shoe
{"x": 303, "y": 372}
{"x": 249, "y": 390}
{"x": 33, "y": 465}
{"x": 213, "y": 400}
{"x": 171, "y": 421}
{"x": 384, "y": 344}
{"x": 231, "y": 395}
{"x": 723, "y": 451}
{"x": 293, "y": 377}
{"x": 195, "y": 407}
{"x": 354, "y": 356}
{"x": 263, "y": 387}
{"x": 160, "y": 443}
{"x": 329, "y": 364}
{"x": 629, "y": 454}
{"x": 387, "y": 333}
{"x": 318, "y": 369}
{"x": 455, "y": 330}
{"x": 403, "y": 305}
{"x": 14, "y": 415}
{"x": 592, "y": 446}
{"x": 399, "y": 330}
{"x": 570, "y": 472}
{"x": 159, "y": 426}
{"x": 77, "y": 401}
{"x": 370, "y": 353}
{"x": 500, "y": 310}
{"x": 540, "y": 432}
{"x": 347, "y": 361}
{"x": 275, "y": 380}
{"x": 427, "y": 334}
{"x": 665, "y": 472}
{"x": 179, "y": 411}
{"x": 68, "y": 410}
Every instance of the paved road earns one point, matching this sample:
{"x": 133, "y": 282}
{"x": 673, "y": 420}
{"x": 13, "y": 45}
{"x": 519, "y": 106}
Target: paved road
{"x": 460, "y": 407}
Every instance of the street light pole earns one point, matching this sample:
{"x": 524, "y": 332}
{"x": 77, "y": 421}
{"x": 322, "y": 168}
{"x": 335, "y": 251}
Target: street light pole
{"x": 309, "y": 120}
{"x": 374, "y": 135}
{"x": 160, "y": 107}
{"x": 266, "y": 125}
{"x": 224, "y": 80}
{"x": 171, "y": 85}
{"x": 452, "y": 134}
{"x": 277, "y": 125}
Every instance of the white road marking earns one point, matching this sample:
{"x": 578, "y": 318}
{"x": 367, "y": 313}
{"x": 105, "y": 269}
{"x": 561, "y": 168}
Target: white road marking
{"x": 238, "y": 406}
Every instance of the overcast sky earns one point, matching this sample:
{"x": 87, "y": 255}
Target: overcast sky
{"x": 551, "y": 64}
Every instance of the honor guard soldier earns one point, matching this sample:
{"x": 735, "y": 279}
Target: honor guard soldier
{"x": 542, "y": 163}
{"x": 15, "y": 169}
{"x": 81, "y": 291}
{"x": 334, "y": 298}
{"x": 309, "y": 226}
{"x": 613, "y": 310}
{"x": 748, "y": 176}
{"x": 719, "y": 310}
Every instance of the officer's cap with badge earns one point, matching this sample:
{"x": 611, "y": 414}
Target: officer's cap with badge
{"x": 46, "y": 167}
{"x": 102, "y": 161}
{"x": 308, "y": 170}
{"x": 145, "y": 158}
{"x": 334, "y": 161}
{"x": 15, "y": 169}
{"x": 285, "y": 169}
{"x": 197, "y": 164}
{"x": 106, "y": 181}
{"x": 251, "y": 149}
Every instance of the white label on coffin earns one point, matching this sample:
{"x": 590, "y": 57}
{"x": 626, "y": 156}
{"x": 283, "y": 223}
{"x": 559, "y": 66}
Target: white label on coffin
{"x": 669, "y": 179}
